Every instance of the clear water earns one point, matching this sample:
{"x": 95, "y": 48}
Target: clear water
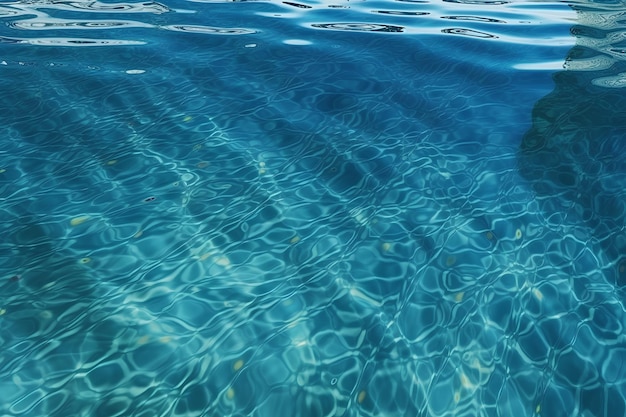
{"x": 312, "y": 208}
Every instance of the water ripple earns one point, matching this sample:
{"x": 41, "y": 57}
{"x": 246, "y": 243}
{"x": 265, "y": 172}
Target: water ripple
{"x": 359, "y": 27}
{"x": 69, "y": 41}
{"x": 46, "y": 24}
{"x": 96, "y": 6}
{"x": 468, "y": 32}
{"x": 209, "y": 30}
{"x": 508, "y": 22}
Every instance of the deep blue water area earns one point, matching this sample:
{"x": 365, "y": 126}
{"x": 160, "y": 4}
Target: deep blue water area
{"x": 312, "y": 208}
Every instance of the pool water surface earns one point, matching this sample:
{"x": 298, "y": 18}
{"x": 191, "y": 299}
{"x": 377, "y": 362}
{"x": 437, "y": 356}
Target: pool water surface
{"x": 312, "y": 208}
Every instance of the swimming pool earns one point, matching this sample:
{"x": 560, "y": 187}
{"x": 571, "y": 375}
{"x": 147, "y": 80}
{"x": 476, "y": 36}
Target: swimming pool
{"x": 312, "y": 208}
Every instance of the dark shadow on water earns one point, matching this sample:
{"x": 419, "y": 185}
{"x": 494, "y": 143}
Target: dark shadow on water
{"x": 574, "y": 158}
{"x": 574, "y": 153}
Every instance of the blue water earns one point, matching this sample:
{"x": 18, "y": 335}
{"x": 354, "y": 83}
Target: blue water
{"x": 313, "y": 208}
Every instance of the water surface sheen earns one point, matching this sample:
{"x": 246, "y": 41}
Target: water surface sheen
{"x": 312, "y": 208}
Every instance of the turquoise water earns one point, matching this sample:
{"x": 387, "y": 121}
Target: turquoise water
{"x": 312, "y": 208}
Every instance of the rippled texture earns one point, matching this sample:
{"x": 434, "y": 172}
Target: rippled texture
{"x": 375, "y": 208}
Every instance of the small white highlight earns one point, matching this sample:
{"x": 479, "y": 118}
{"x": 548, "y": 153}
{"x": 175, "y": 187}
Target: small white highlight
{"x": 540, "y": 66}
{"x": 297, "y": 42}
